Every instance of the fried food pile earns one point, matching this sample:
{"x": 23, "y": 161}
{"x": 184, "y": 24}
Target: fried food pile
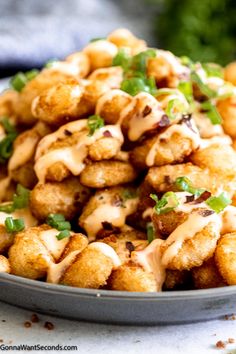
{"x": 118, "y": 170}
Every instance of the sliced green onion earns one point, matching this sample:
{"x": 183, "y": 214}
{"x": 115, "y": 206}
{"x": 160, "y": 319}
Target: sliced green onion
{"x": 205, "y": 90}
{"x": 63, "y": 225}
{"x": 54, "y": 219}
{"x": 19, "y": 81}
{"x": 63, "y": 234}
{"x": 135, "y": 85}
{"x": 6, "y": 144}
{"x": 8, "y": 127}
{"x": 174, "y": 107}
{"x": 187, "y": 90}
{"x": 184, "y": 184}
{"x": 14, "y": 225}
{"x": 187, "y": 61}
{"x": 129, "y": 194}
{"x": 167, "y": 203}
{"x": 139, "y": 61}
{"x": 212, "y": 112}
{"x": 7, "y": 208}
{"x": 21, "y": 197}
{"x": 122, "y": 59}
{"x": 97, "y": 39}
{"x": 213, "y": 69}
{"x": 150, "y": 232}
{"x": 94, "y": 122}
{"x": 219, "y": 203}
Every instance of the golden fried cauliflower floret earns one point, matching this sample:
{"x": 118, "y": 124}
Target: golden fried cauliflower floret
{"x": 126, "y": 242}
{"x": 92, "y": 267}
{"x": 225, "y": 257}
{"x": 7, "y": 103}
{"x": 6, "y": 239}
{"x": 100, "y": 53}
{"x": 113, "y": 76}
{"x": 111, "y": 205}
{"x": 107, "y": 174}
{"x": 172, "y": 146}
{"x": 21, "y": 163}
{"x": 81, "y": 61}
{"x": 162, "y": 178}
{"x": 207, "y": 276}
{"x": 227, "y": 110}
{"x": 4, "y": 265}
{"x": 132, "y": 277}
{"x": 220, "y": 159}
{"x": 34, "y": 88}
{"x": 124, "y": 38}
{"x": 66, "y": 197}
{"x": 230, "y": 73}
{"x": 104, "y": 149}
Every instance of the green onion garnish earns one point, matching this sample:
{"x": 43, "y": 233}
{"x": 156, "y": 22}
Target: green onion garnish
{"x": 122, "y": 59}
{"x": 18, "y": 81}
{"x": 97, "y": 39}
{"x": 211, "y": 112}
{"x": 219, "y": 203}
{"x": 150, "y": 232}
{"x": 205, "y": 90}
{"x": 14, "y": 225}
{"x": 174, "y": 107}
{"x": 94, "y": 122}
{"x": 58, "y": 221}
{"x": 63, "y": 234}
{"x": 167, "y": 203}
{"x": 187, "y": 90}
{"x": 187, "y": 61}
{"x": 184, "y": 184}
{"x": 139, "y": 61}
{"x": 50, "y": 63}
{"x": 213, "y": 69}
{"x": 135, "y": 85}
{"x": 20, "y": 200}
{"x": 6, "y": 144}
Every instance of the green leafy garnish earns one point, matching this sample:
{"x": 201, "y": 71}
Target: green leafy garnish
{"x": 219, "y": 203}
{"x": 184, "y": 184}
{"x": 135, "y": 85}
{"x": 6, "y": 144}
{"x": 20, "y": 200}
{"x": 94, "y": 122}
{"x": 187, "y": 90}
{"x": 19, "y": 81}
{"x": 211, "y": 112}
{"x": 174, "y": 107}
{"x": 205, "y": 90}
{"x": 139, "y": 61}
{"x": 122, "y": 59}
{"x": 63, "y": 234}
{"x": 167, "y": 203}
{"x": 14, "y": 225}
{"x": 150, "y": 232}
{"x": 187, "y": 61}
{"x": 97, "y": 39}
{"x": 213, "y": 69}
{"x": 58, "y": 221}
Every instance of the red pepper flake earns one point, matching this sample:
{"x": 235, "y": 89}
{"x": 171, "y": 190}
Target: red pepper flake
{"x": 220, "y": 344}
{"x": 34, "y": 318}
{"x": 49, "y": 325}
{"x": 27, "y": 324}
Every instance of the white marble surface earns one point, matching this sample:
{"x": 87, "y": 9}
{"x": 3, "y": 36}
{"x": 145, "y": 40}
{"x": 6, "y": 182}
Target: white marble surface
{"x": 91, "y": 338}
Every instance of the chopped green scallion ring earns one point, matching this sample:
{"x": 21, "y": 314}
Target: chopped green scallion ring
{"x": 205, "y": 90}
{"x": 167, "y": 203}
{"x": 184, "y": 184}
{"x": 94, "y": 122}
{"x": 63, "y": 234}
{"x": 174, "y": 107}
{"x": 19, "y": 81}
{"x": 14, "y": 225}
{"x": 122, "y": 59}
{"x": 212, "y": 112}
{"x": 187, "y": 90}
{"x": 213, "y": 69}
{"x": 219, "y": 203}
{"x": 150, "y": 232}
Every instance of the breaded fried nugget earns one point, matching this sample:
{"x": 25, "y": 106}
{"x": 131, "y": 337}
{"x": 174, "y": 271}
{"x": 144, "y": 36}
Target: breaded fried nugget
{"x": 230, "y": 73}
{"x": 100, "y": 53}
{"x": 7, "y": 103}
{"x": 92, "y": 267}
{"x": 207, "y": 276}
{"x": 227, "y": 110}
{"x": 113, "y": 76}
{"x": 122, "y": 37}
{"x": 67, "y": 197}
{"x": 107, "y": 174}
{"x": 4, "y": 265}
{"x": 225, "y": 257}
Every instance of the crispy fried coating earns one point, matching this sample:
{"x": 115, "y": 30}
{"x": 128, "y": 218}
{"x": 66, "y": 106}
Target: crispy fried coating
{"x": 8, "y": 99}
{"x": 28, "y": 256}
{"x": 81, "y": 61}
{"x": 225, "y": 257}
{"x": 195, "y": 250}
{"x": 124, "y": 38}
{"x": 162, "y": 178}
{"x": 67, "y": 198}
{"x": 173, "y": 150}
{"x": 6, "y": 239}
{"x": 111, "y": 104}
{"x": 227, "y": 110}
{"x": 207, "y": 276}
{"x": 77, "y": 242}
{"x": 91, "y": 269}
{"x": 25, "y": 175}
{"x": 100, "y": 53}
{"x": 4, "y": 265}
{"x": 104, "y": 149}
{"x": 132, "y": 277}
{"x": 113, "y": 76}
{"x": 107, "y": 174}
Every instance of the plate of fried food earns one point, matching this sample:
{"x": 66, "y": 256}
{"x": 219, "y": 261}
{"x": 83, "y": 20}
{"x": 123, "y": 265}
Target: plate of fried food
{"x": 117, "y": 186}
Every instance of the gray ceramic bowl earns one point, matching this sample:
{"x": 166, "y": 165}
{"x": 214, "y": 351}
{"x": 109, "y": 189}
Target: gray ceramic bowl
{"x": 115, "y": 306}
